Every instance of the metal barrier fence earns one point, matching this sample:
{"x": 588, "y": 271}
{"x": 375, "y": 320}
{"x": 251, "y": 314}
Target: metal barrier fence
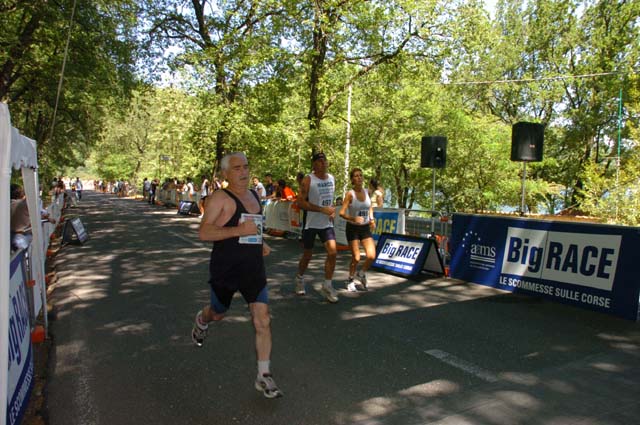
{"x": 284, "y": 217}
{"x": 172, "y": 197}
{"x": 420, "y": 223}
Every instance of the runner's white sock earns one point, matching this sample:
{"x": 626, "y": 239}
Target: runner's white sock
{"x": 328, "y": 283}
{"x": 199, "y": 322}
{"x": 263, "y": 367}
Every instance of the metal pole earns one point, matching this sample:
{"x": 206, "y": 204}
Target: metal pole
{"x": 64, "y": 64}
{"x": 524, "y": 178}
{"x": 347, "y": 148}
{"x": 618, "y": 157}
{"x": 5, "y": 256}
{"x": 433, "y": 202}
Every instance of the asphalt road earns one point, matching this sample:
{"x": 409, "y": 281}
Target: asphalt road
{"x": 427, "y": 351}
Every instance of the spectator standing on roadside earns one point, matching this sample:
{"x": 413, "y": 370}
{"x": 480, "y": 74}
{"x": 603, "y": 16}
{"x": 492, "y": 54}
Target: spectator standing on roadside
{"x": 268, "y": 185}
{"x": 216, "y": 183}
{"x": 237, "y": 264}
{"x": 146, "y": 185}
{"x": 358, "y": 212}
{"x": 377, "y": 197}
{"x": 20, "y": 223}
{"x": 285, "y": 191}
{"x": 78, "y": 188}
{"x": 277, "y": 193}
{"x": 60, "y": 190}
{"x": 153, "y": 188}
{"x": 316, "y": 197}
{"x": 205, "y": 189}
{"x": 190, "y": 189}
{"x": 259, "y": 188}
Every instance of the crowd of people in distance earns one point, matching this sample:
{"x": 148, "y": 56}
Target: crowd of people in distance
{"x": 190, "y": 190}
{"x": 267, "y": 189}
{"x": 119, "y": 187}
{"x": 72, "y": 196}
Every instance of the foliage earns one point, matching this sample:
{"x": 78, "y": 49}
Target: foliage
{"x": 612, "y": 187}
{"x": 98, "y": 68}
{"x": 271, "y": 79}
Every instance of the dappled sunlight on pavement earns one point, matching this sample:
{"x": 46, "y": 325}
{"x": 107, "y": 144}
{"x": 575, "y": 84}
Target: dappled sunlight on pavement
{"x": 425, "y": 351}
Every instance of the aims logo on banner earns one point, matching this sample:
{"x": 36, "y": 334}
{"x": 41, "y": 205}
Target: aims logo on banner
{"x": 481, "y": 256}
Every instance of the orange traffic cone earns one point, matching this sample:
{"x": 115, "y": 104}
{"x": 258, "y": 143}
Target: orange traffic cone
{"x": 37, "y": 334}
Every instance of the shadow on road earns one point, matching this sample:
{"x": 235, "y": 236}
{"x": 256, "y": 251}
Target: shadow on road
{"x": 433, "y": 351}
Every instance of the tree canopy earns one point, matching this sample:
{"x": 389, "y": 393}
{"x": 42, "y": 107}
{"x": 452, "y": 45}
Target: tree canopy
{"x": 164, "y": 88}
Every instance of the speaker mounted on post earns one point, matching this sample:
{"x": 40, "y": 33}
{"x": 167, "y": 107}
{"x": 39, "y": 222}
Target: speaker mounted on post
{"x": 527, "y": 140}
{"x": 434, "y": 152}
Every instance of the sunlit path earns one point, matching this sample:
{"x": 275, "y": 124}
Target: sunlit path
{"x": 406, "y": 352}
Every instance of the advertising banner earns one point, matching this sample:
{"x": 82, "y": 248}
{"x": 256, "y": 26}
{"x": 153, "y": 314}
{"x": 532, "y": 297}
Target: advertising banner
{"x": 340, "y": 229}
{"x": 276, "y": 215}
{"x": 404, "y": 254}
{"x": 20, "y": 376}
{"x": 587, "y": 265}
{"x": 388, "y": 221}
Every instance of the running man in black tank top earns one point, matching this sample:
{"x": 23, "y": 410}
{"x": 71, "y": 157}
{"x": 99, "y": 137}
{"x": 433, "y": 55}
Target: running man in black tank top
{"x": 237, "y": 262}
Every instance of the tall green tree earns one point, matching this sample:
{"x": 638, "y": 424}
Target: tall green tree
{"x": 150, "y": 138}
{"x": 99, "y": 67}
{"x": 227, "y": 44}
{"x": 562, "y": 63}
{"x": 346, "y": 40}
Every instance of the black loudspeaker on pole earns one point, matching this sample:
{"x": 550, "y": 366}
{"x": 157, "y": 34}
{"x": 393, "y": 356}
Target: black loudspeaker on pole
{"x": 527, "y": 139}
{"x": 434, "y": 152}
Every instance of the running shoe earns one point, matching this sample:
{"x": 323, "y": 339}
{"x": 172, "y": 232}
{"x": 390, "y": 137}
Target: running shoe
{"x": 199, "y": 331}
{"x": 363, "y": 281}
{"x": 300, "y": 285}
{"x": 351, "y": 285}
{"x": 329, "y": 293}
{"x": 267, "y": 385}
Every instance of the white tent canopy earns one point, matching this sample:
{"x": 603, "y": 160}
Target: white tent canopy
{"x": 17, "y": 152}
{"x": 23, "y": 151}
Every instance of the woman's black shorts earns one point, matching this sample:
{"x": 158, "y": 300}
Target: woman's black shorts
{"x": 358, "y": 232}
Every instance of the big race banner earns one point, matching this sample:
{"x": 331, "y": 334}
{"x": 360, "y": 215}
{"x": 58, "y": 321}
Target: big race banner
{"x": 587, "y": 265}
{"x": 388, "y": 220}
{"x": 20, "y": 380}
{"x": 402, "y": 254}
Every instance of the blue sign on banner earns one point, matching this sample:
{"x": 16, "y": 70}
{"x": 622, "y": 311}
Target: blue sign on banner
{"x": 387, "y": 221}
{"x": 402, "y": 254}
{"x": 20, "y": 373}
{"x": 588, "y": 265}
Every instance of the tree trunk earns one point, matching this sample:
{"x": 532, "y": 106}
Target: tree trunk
{"x": 318, "y": 57}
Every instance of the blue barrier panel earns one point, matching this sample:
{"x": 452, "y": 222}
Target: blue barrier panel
{"x": 20, "y": 382}
{"x": 388, "y": 221}
{"x": 587, "y": 265}
{"x": 403, "y": 254}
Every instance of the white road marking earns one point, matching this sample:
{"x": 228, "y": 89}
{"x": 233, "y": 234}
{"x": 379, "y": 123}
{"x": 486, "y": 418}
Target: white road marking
{"x": 197, "y": 242}
{"x": 463, "y": 365}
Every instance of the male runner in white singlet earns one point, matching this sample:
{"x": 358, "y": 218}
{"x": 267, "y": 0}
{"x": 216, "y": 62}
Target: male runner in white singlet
{"x": 316, "y": 197}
